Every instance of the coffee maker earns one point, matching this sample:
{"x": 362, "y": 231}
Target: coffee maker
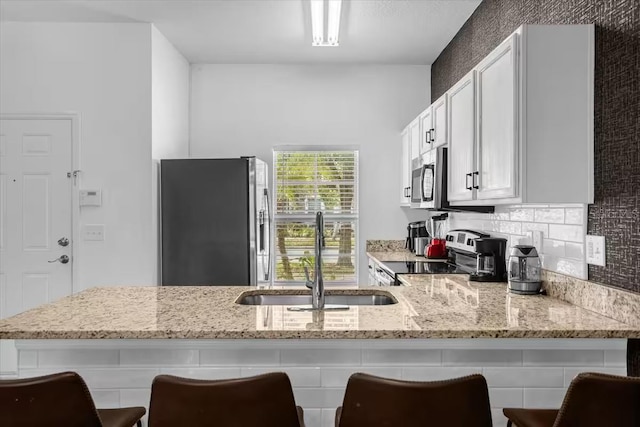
{"x": 415, "y": 229}
{"x": 490, "y": 260}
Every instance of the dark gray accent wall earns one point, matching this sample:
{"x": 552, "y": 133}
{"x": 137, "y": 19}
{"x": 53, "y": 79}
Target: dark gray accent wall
{"x": 616, "y": 212}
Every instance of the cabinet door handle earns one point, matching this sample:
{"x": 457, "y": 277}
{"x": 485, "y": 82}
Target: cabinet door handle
{"x": 427, "y": 137}
{"x": 432, "y": 133}
{"x": 473, "y": 181}
{"x": 466, "y": 182}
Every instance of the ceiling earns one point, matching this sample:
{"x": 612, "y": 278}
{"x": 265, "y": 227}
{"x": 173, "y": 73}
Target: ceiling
{"x": 272, "y": 31}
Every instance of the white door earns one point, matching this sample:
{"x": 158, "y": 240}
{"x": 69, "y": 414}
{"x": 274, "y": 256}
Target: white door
{"x": 405, "y": 170}
{"x": 439, "y": 129}
{"x": 426, "y": 127}
{"x": 461, "y": 128}
{"x": 497, "y": 165}
{"x": 414, "y": 138}
{"x": 35, "y": 214}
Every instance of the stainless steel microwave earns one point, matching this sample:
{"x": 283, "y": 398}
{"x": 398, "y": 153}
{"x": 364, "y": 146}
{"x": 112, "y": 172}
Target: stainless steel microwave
{"x": 429, "y": 183}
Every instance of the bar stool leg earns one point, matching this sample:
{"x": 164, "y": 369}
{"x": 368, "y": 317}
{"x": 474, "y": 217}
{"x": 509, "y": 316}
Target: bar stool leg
{"x": 633, "y": 357}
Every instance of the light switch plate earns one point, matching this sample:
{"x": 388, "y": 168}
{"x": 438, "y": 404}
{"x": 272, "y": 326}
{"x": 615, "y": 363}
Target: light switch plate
{"x": 595, "y": 250}
{"x": 93, "y": 232}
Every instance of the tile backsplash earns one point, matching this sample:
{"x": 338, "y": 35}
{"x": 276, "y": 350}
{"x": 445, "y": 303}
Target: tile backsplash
{"x": 562, "y": 229}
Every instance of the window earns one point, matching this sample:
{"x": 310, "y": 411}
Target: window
{"x": 307, "y": 181}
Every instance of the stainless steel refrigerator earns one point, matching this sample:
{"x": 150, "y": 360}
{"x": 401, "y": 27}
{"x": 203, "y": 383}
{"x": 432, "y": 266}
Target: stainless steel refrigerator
{"x": 215, "y": 221}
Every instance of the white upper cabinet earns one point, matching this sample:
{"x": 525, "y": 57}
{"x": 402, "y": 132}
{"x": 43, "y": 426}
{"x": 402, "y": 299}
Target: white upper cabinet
{"x": 405, "y": 169}
{"x": 439, "y": 129}
{"x": 414, "y": 138}
{"x": 496, "y": 174}
{"x": 461, "y": 130}
{"x": 426, "y": 127}
{"x": 534, "y": 121}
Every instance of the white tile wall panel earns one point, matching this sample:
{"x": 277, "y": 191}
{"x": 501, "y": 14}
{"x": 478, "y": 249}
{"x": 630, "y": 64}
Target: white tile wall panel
{"x": 118, "y": 378}
{"x": 328, "y": 417}
{"x": 570, "y": 373}
{"x": 312, "y": 416}
{"x": 505, "y": 397}
{"x": 300, "y": 377}
{"x": 549, "y": 216}
{"x": 326, "y": 397}
{"x": 338, "y": 377}
{"x": 203, "y": 373}
{"x": 78, "y": 357}
{"x": 521, "y": 214}
{"x": 570, "y": 233}
{"x": 481, "y": 358}
{"x": 498, "y": 418}
{"x": 524, "y": 377}
{"x": 320, "y": 357}
{"x": 615, "y": 358}
{"x": 240, "y": 357}
{"x": 564, "y": 357}
{"x": 574, "y": 216}
{"x": 28, "y": 359}
{"x": 554, "y": 247}
{"x": 437, "y": 373}
{"x": 106, "y": 399}
{"x": 532, "y": 226}
{"x": 401, "y": 357}
{"x": 160, "y": 357}
{"x": 574, "y": 250}
{"x": 541, "y": 398}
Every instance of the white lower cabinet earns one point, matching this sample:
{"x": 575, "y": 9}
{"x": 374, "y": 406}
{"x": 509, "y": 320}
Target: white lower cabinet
{"x": 405, "y": 170}
{"x": 520, "y": 125}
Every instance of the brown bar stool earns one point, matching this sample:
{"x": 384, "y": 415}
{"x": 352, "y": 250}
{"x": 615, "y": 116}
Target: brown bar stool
{"x": 261, "y": 401}
{"x": 592, "y": 400}
{"x": 58, "y": 400}
{"x": 380, "y": 402}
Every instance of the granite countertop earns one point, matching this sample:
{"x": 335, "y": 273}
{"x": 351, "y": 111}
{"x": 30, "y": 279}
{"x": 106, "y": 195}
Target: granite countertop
{"x": 429, "y": 306}
{"x": 402, "y": 255}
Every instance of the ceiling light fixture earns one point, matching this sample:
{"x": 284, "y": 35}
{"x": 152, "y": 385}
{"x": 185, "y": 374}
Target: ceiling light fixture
{"x": 331, "y": 9}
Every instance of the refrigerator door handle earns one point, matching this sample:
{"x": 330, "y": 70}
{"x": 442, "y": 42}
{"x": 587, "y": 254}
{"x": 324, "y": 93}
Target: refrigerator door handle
{"x": 267, "y": 274}
{"x": 261, "y": 222}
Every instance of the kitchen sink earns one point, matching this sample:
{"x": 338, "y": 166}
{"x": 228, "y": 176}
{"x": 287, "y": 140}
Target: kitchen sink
{"x": 290, "y": 299}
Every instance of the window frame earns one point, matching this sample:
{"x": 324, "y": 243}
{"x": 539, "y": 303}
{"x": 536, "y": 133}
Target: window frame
{"x": 283, "y": 218}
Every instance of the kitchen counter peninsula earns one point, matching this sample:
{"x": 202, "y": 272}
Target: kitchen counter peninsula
{"x": 443, "y": 326}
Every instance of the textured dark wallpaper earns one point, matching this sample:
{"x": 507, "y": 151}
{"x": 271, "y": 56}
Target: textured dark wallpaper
{"x": 616, "y": 212}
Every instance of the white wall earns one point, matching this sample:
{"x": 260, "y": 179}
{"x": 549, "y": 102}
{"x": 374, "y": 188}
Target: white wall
{"x": 103, "y": 72}
{"x": 248, "y": 109}
{"x": 170, "y": 86}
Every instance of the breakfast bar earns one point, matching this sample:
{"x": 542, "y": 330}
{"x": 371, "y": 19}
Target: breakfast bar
{"x": 437, "y": 326}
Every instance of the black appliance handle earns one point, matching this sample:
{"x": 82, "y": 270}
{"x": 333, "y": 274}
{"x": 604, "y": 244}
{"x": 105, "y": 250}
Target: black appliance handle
{"x": 473, "y": 181}
{"x": 466, "y": 182}
{"x": 267, "y": 275}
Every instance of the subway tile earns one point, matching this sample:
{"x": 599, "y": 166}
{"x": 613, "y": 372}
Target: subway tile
{"x": 554, "y": 247}
{"x": 532, "y": 226}
{"x": 567, "y": 266}
{"x": 240, "y": 357}
{"x": 615, "y": 358}
{"x": 521, "y": 214}
{"x": 125, "y": 378}
{"x": 510, "y": 227}
{"x": 574, "y": 250}
{"x": 328, "y": 417}
{"x": 501, "y": 216}
{"x": 401, "y": 357}
{"x": 154, "y": 356}
{"x": 300, "y": 377}
{"x": 569, "y": 233}
{"x": 320, "y": 357}
{"x": 78, "y": 357}
{"x": 497, "y": 417}
{"x": 106, "y": 399}
{"x": 27, "y": 359}
{"x": 563, "y": 357}
{"x": 338, "y": 377}
{"x": 135, "y": 397}
{"x": 574, "y": 216}
{"x": 481, "y": 357}
{"x": 549, "y": 216}
{"x": 571, "y": 373}
{"x": 524, "y": 377}
{"x": 203, "y": 373}
{"x": 543, "y": 398}
{"x": 505, "y": 397}
{"x": 437, "y": 373}
{"x": 318, "y": 397}
{"x": 312, "y": 417}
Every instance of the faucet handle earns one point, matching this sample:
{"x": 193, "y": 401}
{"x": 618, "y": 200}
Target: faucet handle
{"x": 309, "y": 283}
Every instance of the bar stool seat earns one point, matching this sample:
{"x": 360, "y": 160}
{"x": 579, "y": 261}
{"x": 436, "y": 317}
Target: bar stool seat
{"x": 381, "y": 402}
{"x": 61, "y": 399}
{"x": 260, "y": 401}
{"x": 592, "y": 400}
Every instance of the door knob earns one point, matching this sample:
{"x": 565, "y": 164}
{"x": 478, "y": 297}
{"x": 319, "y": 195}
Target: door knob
{"x": 63, "y": 241}
{"x": 63, "y": 259}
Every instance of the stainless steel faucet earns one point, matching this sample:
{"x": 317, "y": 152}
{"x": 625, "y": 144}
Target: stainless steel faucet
{"x": 317, "y": 285}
